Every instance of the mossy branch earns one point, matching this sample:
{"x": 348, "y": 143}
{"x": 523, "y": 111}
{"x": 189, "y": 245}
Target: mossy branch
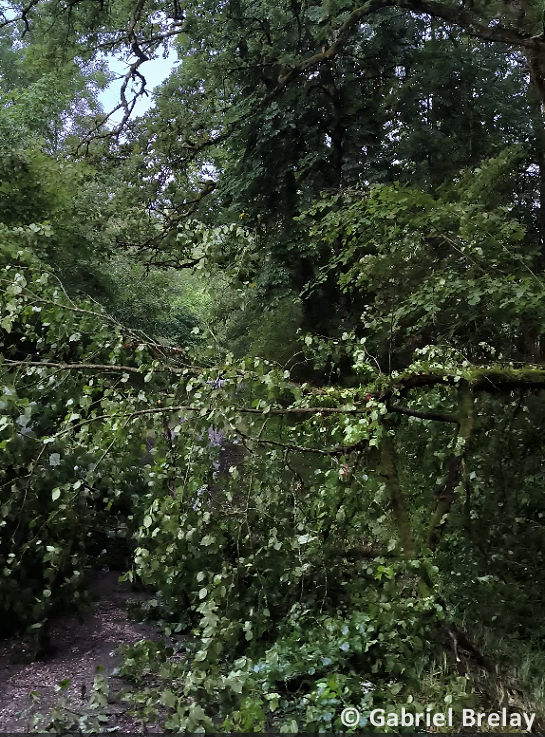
{"x": 489, "y": 379}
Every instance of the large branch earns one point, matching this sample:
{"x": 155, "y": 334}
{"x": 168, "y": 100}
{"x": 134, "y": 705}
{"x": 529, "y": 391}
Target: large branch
{"x": 346, "y": 31}
{"x": 460, "y": 16}
{"x": 489, "y": 379}
{"x": 469, "y": 21}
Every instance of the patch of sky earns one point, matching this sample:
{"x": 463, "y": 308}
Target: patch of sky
{"x": 155, "y": 71}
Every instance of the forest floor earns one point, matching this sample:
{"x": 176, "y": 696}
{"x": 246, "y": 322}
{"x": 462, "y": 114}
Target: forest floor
{"x": 79, "y": 644}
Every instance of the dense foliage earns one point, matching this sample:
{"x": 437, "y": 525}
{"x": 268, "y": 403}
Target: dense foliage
{"x": 275, "y": 349}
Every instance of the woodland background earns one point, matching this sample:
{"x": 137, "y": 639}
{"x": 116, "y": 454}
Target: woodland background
{"x": 310, "y": 281}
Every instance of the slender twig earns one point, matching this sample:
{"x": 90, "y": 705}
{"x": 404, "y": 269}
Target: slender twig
{"x": 437, "y": 416}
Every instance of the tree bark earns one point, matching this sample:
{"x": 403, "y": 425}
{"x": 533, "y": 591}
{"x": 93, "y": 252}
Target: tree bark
{"x": 447, "y": 495}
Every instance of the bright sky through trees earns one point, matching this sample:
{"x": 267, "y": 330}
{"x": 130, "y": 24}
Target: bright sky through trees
{"x": 155, "y": 72}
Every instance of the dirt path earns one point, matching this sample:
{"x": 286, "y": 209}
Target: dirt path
{"x": 78, "y": 647}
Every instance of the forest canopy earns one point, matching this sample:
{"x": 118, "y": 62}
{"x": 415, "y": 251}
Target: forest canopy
{"x": 274, "y": 349}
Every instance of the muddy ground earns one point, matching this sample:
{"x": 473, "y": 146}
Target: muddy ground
{"x": 78, "y": 646}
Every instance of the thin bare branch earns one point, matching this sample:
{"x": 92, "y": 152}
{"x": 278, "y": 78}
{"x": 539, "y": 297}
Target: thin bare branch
{"x": 436, "y": 416}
